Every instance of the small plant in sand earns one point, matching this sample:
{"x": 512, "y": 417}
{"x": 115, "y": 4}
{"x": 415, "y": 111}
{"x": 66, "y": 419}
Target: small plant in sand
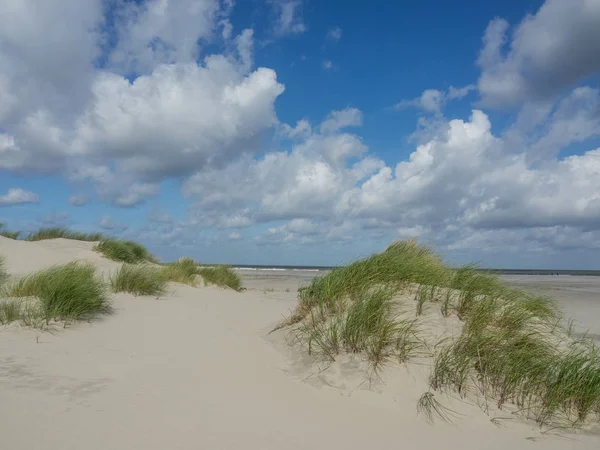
{"x": 139, "y": 279}
{"x": 184, "y": 270}
{"x": 124, "y": 251}
{"x": 68, "y": 292}
{"x": 8, "y": 234}
{"x": 222, "y": 276}
{"x": 57, "y": 232}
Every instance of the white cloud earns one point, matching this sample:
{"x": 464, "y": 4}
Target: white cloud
{"x": 302, "y": 129}
{"x": 336, "y": 120}
{"x": 18, "y": 196}
{"x": 159, "y": 32}
{"x": 327, "y": 64}
{"x": 434, "y": 100}
{"x": 96, "y": 126}
{"x": 334, "y": 34}
{"x": 547, "y": 52}
{"x": 68, "y": 109}
{"x": 289, "y": 17}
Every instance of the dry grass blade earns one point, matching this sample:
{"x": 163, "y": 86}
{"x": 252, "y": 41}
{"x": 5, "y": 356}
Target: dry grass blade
{"x": 429, "y": 408}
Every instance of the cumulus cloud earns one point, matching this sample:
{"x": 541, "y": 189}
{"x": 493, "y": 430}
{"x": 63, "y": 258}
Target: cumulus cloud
{"x": 18, "y": 196}
{"x": 157, "y": 32}
{"x": 546, "y": 53}
{"x": 434, "y": 100}
{"x": 123, "y": 115}
{"x": 327, "y": 64}
{"x": 98, "y": 126}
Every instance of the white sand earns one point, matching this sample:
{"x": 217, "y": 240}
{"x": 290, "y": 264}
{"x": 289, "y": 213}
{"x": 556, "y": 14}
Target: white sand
{"x": 196, "y": 370}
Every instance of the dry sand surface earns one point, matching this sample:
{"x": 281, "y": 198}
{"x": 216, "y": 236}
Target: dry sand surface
{"x": 579, "y": 297}
{"x": 197, "y": 369}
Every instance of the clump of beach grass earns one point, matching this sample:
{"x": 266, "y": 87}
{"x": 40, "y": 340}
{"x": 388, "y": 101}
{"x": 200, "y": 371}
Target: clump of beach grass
{"x": 511, "y": 348}
{"x": 124, "y": 251}
{"x": 10, "y": 311}
{"x": 184, "y": 270}
{"x": 66, "y": 292}
{"x": 511, "y": 351}
{"x": 370, "y": 324}
{"x": 139, "y": 279}
{"x": 65, "y": 233}
{"x": 8, "y": 234}
{"x": 3, "y": 274}
{"x": 222, "y": 276}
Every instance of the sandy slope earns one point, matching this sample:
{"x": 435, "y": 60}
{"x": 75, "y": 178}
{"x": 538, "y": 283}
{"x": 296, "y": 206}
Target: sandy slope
{"x": 196, "y": 370}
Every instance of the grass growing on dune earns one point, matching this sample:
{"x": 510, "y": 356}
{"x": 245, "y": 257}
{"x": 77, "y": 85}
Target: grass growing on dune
{"x": 10, "y": 311}
{"x": 57, "y": 232}
{"x": 369, "y": 324}
{"x": 222, "y": 276}
{"x": 511, "y": 348}
{"x": 8, "y": 234}
{"x": 124, "y": 251}
{"x": 68, "y": 292}
{"x": 185, "y": 271}
{"x": 139, "y": 279}
{"x": 3, "y": 274}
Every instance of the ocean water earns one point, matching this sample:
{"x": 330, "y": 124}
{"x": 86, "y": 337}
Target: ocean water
{"x": 316, "y": 269}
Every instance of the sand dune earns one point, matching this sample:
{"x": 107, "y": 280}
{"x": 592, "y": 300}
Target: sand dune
{"x": 197, "y": 369}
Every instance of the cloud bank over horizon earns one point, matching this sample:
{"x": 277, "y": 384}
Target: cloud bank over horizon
{"x": 160, "y": 106}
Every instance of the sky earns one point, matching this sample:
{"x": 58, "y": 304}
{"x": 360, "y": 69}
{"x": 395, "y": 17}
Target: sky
{"x": 307, "y": 132}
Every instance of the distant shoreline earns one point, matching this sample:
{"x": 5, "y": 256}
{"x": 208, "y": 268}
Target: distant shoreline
{"x": 549, "y": 272}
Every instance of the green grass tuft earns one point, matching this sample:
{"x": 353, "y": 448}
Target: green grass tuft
{"x": 139, "y": 279}
{"x": 57, "y": 232}
{"x": 512, "y": 347}
{"x": 185, "y": 271}
{"x": 8, "y": 234}
{"x": 124, "y": 251}
{"x": 69, "y": 292}
{"x": 10, "y": 311}
{"x": 222, "y": 276}
{"x": 369, "y": 324}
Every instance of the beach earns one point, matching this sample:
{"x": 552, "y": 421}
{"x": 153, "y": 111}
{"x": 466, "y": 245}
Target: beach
{"x": 198, "y": 368}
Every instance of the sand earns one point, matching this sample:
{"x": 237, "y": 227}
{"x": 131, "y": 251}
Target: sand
{"x": 197, "y": 369}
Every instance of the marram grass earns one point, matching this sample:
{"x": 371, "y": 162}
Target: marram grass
{"x": 222, "y": 276}
{"x": 512, "y": 347}
{"x": 185, "y": 271}
{"x": 67, "y": 292}
{"x": 139, "y": 279}
{"x": 57, "y": 232}
{"x": 123, "y": 251}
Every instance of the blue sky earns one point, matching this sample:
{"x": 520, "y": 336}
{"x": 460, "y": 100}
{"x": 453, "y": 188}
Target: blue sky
{"x": 305, "y": 132}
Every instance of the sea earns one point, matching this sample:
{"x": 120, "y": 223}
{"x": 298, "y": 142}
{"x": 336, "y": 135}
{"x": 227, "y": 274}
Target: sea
{"x": 549, "y": 272}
